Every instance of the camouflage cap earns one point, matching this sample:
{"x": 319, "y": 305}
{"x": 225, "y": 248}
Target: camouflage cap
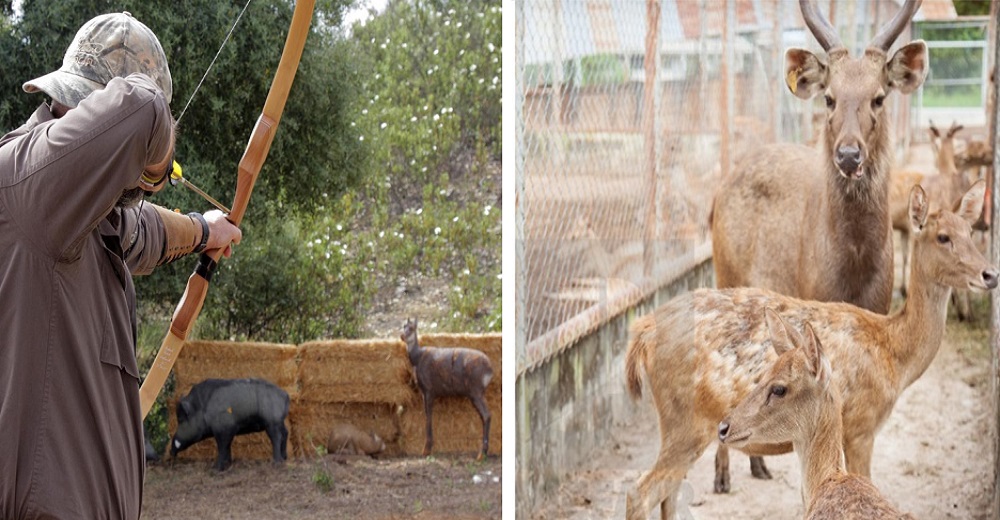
{"x": 108, "y": 46}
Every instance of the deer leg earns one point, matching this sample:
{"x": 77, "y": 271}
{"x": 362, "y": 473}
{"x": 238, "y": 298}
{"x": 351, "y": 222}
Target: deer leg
{"x": 758, "y": 469}
{"x": 858, "y": 454}
{"x": 722, "y": 469}
{"x": 678, "y": 452}
{"x": 484, "y": 413}
{"x": 428, "y": 402}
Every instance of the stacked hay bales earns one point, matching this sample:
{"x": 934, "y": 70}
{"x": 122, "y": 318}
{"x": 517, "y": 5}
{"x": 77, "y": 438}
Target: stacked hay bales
{"x": 201, "y": 360}
{"x": 368, "y": 383}
{"x": 363, "y": 382}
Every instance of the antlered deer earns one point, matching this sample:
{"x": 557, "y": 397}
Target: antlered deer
{"x": 811, "y": 223}
{"x": 702, "y": 351}
{"x": 796, "y": 403}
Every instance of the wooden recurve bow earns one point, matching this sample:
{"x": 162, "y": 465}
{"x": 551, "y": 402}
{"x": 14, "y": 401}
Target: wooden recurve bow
{"x": 249, "y": 167}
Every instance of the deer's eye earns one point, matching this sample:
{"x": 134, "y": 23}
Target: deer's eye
{"x": 830, "y": 103}
{"x": 877, "y": 102}
{"x": 779, "y": 390}
{"x": 943, "y": 239}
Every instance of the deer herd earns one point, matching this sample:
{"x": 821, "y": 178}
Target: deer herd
{"x": 795, "y": 350}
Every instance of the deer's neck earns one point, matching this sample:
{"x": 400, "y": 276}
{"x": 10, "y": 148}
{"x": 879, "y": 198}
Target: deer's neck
{"x": 413, "y": 351}
{"x": 915, "y": 332}
{"x": 821, "y": 450}
{"x": 856, "y": 251}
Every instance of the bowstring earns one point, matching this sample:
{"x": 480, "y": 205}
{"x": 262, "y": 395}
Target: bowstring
{"x": 224, "y": 42}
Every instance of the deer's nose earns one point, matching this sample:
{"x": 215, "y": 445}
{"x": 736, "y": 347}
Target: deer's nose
{"x": 990, "y": 278}
{"x": 723, "y": 430}
{"x": 848, "y": 158}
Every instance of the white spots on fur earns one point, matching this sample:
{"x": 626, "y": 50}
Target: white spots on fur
{"x": 177, "y": 444}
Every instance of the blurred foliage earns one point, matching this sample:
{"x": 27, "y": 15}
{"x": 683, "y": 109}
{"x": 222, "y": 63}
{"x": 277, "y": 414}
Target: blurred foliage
{"x": 432, "y": 115}
{"x": 972, "y": 7}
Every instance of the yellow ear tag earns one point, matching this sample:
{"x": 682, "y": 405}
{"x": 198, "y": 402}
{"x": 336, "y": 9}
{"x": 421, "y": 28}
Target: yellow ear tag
{"x": 793, "y": 79}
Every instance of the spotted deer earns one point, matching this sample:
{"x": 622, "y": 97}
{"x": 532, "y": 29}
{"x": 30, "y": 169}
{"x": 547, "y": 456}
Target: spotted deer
{"x": 443, "y": 372}
{"x": 944, "y": 187}
{"x": 814, "y": 223}
{"x": 796, "y": 403}
{"x": 703, "y": 351}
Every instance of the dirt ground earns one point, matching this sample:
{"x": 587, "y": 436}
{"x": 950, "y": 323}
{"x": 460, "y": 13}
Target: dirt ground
{"x": 330, "y": 487}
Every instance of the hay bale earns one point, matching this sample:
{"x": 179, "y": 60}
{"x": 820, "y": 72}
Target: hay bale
{"x": 201, "y": 360}
{"x": 367, "y": 383}
{"x": 355, "y": 371}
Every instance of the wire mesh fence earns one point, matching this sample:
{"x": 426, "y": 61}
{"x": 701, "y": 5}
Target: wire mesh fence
{"x": 630, "y": 112}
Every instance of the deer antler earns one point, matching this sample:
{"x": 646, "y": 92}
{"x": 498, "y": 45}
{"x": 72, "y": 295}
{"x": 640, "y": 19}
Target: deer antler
{"x": 883, "y": 40}
{"x": 825, "y": 33}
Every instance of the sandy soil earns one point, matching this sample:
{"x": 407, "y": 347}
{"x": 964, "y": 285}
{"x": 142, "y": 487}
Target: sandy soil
{"x": 933, "y": 458}
{"x": 331, "y": 487}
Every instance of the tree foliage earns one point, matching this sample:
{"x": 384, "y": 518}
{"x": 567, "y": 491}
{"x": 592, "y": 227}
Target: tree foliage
{"x": 314, "y": 151}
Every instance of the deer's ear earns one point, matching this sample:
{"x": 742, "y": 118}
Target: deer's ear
{"x": 776, "y": 327}
{"x": 972, "y": 202}
{"x": 918, "y": 208}
{"x": 805, "y": 73}
{"x": 814, "y": 352}
{"x": 955, "y": 128}
{"x": 907, "y": 68}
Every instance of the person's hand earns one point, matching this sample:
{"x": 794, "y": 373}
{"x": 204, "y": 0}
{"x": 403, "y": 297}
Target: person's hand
{"x": 221, "y": 232}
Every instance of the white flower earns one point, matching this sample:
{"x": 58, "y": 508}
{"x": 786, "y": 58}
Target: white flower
{"x": 383, "y": 125}
{"x": 437, "y": 231}
{"x": 419, "y": 211}
{"x": 381, "y": 234}
{"x": 339, "y": 227}
{"x": 455, "y": 219}
{"x": 362, "y": 138}
{"x": 486, "y": 210}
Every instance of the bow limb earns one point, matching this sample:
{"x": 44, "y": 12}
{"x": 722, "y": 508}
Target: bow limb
{"x": 249, "y": 167}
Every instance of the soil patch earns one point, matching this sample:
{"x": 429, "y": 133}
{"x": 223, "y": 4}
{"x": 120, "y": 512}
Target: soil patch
{"x": 328, "y": 487}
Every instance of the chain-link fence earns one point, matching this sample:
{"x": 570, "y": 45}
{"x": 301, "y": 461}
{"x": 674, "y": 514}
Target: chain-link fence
{"x": 619, "y": 155}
